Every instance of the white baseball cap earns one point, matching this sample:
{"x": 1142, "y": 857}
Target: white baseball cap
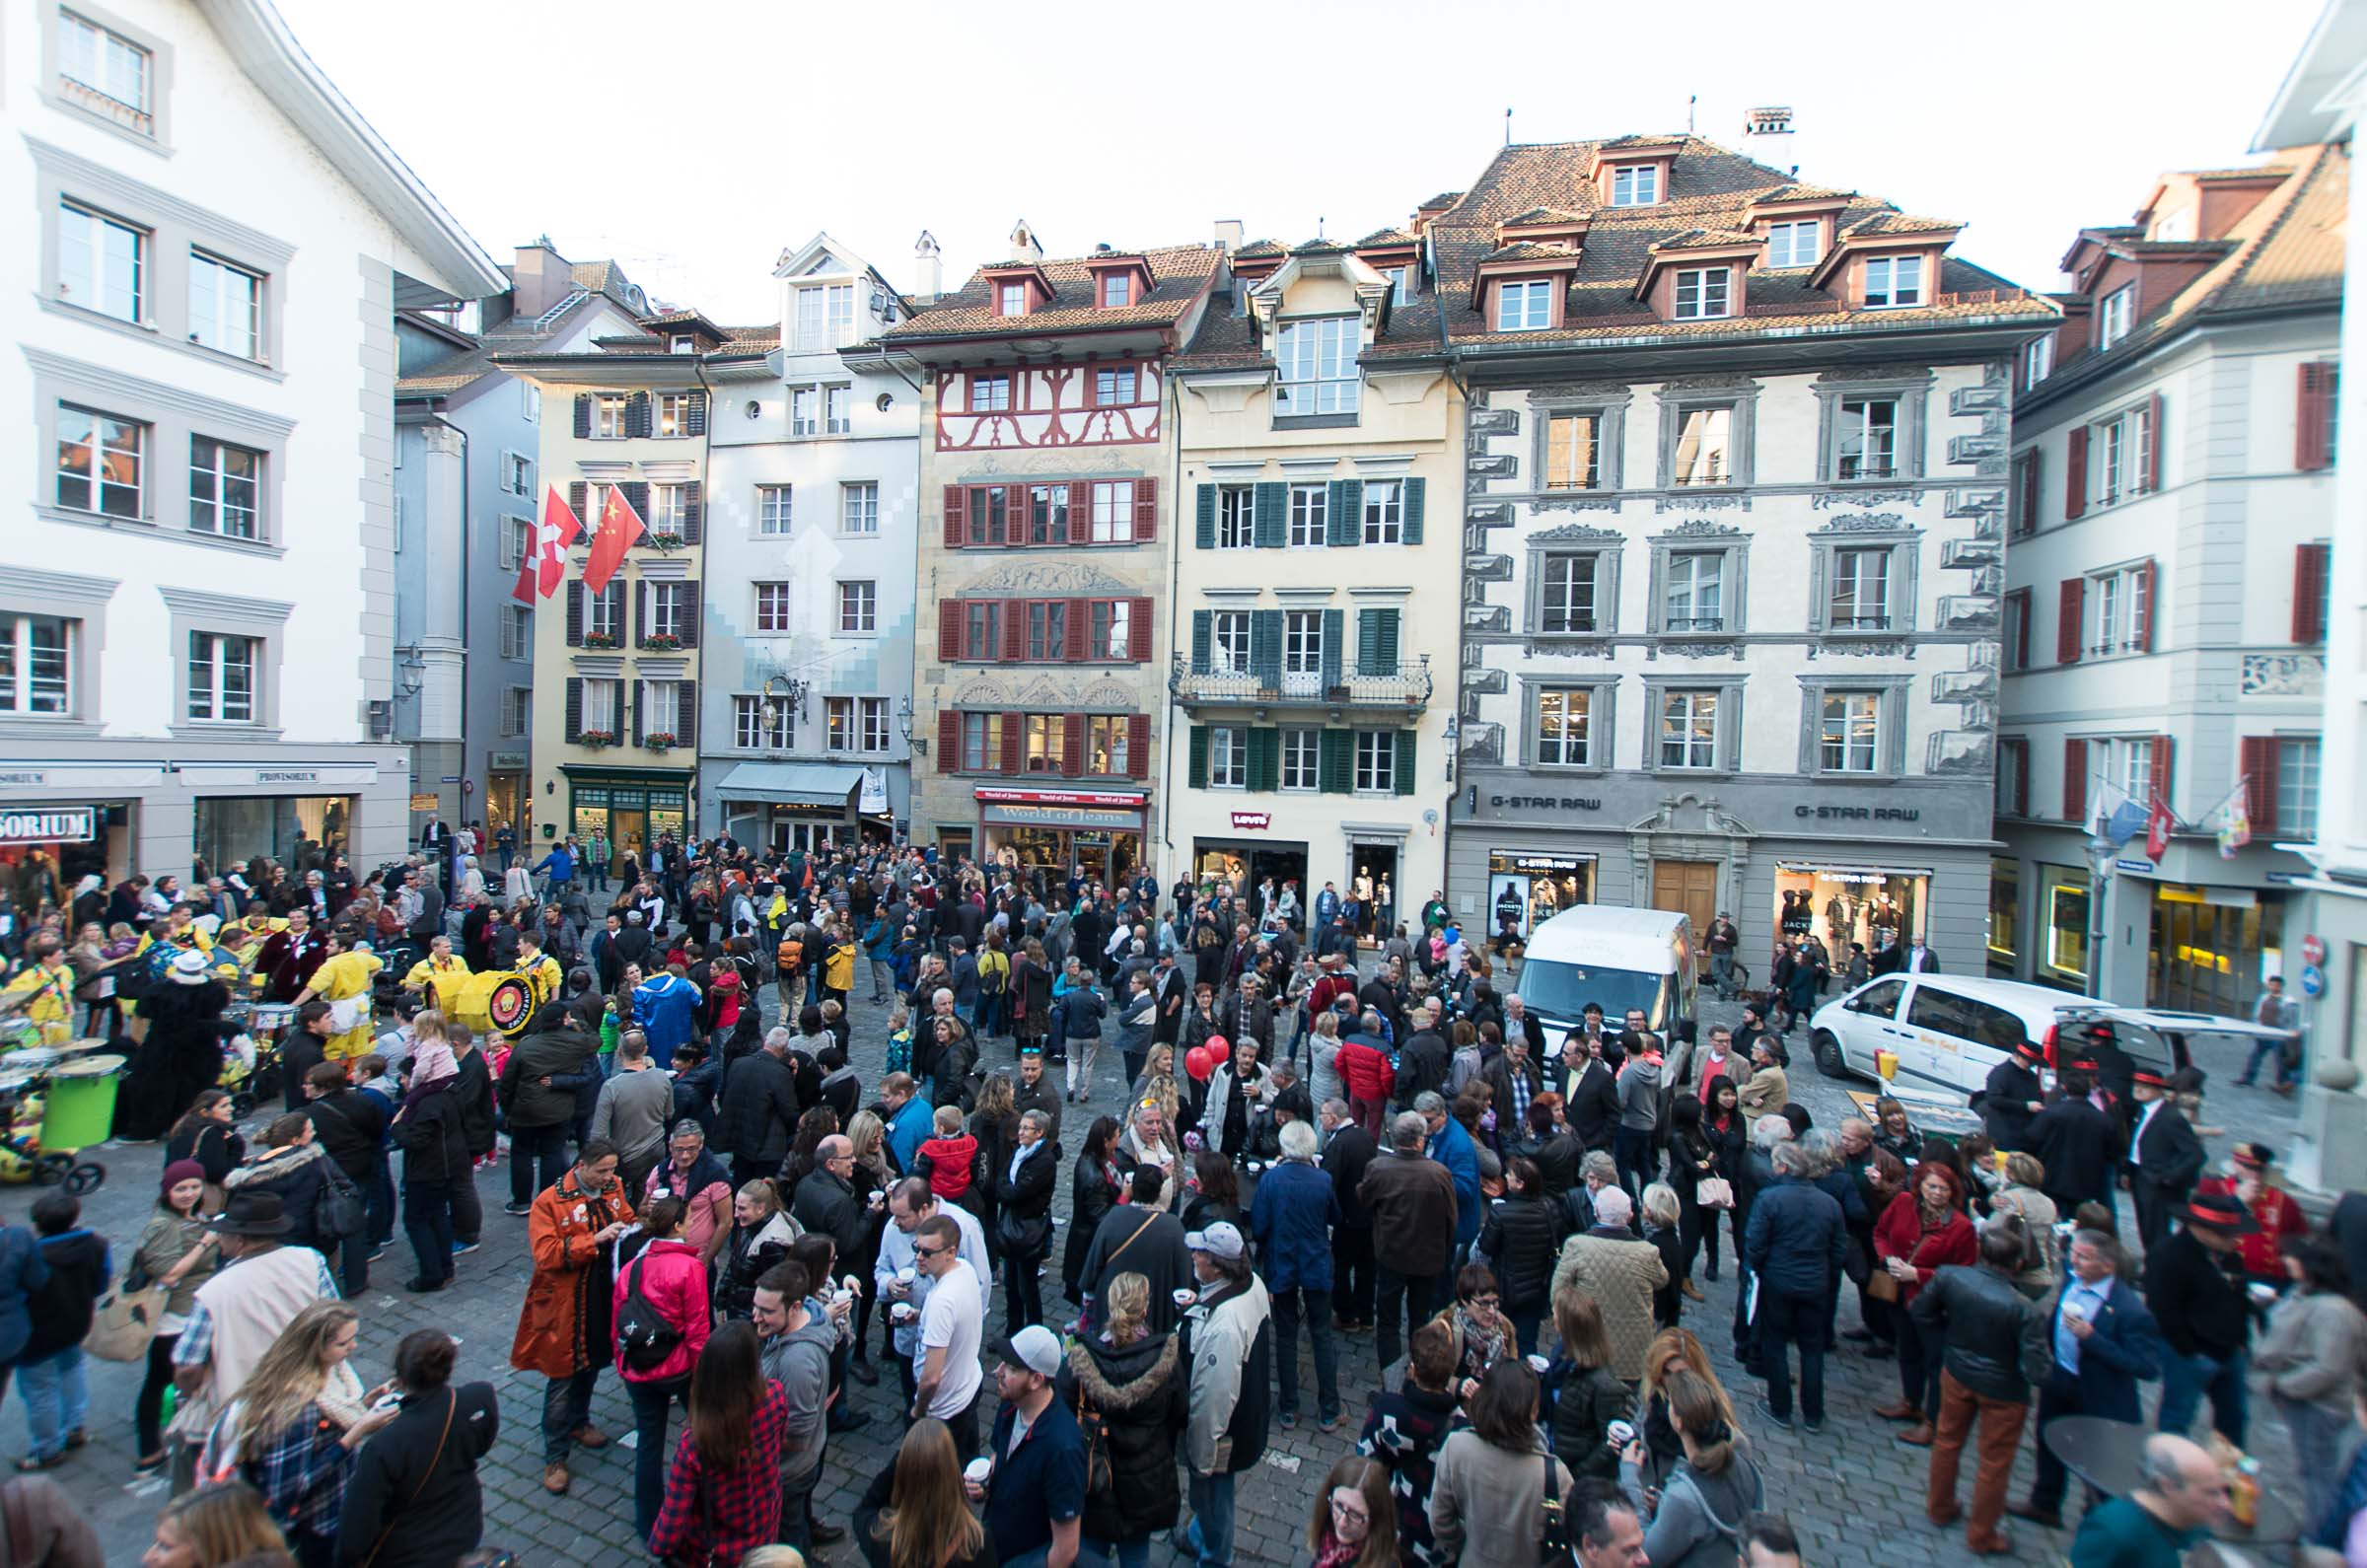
{"x": 1221, "y": 1239}
{"x": 1037, "y": 1349}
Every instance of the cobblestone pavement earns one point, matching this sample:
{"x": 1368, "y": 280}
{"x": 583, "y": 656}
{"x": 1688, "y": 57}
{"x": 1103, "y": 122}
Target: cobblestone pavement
{"x": 1855, "y": 1493}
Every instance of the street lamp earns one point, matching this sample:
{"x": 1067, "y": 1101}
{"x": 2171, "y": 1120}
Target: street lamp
{"x": 2099, "y": 880}
{"x": 412, "y": 677}
{"x": 780, "y": 693}
{"x": 904, "y": 722}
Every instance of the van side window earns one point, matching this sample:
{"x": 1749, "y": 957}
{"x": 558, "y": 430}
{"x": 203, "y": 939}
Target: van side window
{"x": 1880, "y": 999}
{"x": 1992, "y": 1026}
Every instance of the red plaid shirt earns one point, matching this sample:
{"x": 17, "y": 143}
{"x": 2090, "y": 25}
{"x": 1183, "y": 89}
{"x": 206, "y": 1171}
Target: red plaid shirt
{"x": 717, "y": 1517}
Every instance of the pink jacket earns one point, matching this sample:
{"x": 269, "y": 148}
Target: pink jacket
{"x": 675, "y": 1282}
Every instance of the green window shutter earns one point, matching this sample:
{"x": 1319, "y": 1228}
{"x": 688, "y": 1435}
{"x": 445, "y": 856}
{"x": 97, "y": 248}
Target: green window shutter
{"x": 1265, "y": 645}
{"x": 1197, "y": 771}
{"x": 1389, "y": 642}
{"x": 1335, "y": 632}
{"x": 1206, "y": 538}
{"x": 1269, "y": 520}
{"x": 1404, "y": 761}
{"x": 1265, "y": 758}
{"x": 1336, "y": 762}
{"x": 1344, "y": 518}
{"x": 1203, "y": 636}
{"x": 1368, "y": 641}
{"x": 1413, "y": 512}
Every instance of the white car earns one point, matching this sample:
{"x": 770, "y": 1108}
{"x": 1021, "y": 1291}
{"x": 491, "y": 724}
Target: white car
{"x": 1948, "y": 1029}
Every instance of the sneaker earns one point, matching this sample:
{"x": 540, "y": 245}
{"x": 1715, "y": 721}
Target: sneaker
{"x": 1328, "y": 1423}
{"x": 457, "y": 1247}
{"x": 380, "y": 1251}
{"x": 523, "y": 1209}
{"x": 424, "y": 1287}
{"x": 1288, "y": 1420}
{"x": 1813, "y": 1427}
{"x": 1768, "y": 1410}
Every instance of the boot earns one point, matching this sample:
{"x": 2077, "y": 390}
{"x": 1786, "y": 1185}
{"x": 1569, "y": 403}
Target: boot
{"x": 1897, "y": 1410}
{"x": 554, "y": 1479}
{"x": 1691, "y": 1291}
{"x": 1920, "y": 1435}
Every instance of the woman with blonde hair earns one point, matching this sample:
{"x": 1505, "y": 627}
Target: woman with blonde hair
{"x": 1710, "y": 1491}
{"x": 1134, "y": 1379}
{"x": 212, "y": 1527}
{"x": 760, "y": 1237}
{"x": 1158, "y": 1063}
{"x": 915, "y": 1512}
{"x": 1673, "y": 1350}
{"x": 2018, "y": 1196}
{"x": 1354, "y": 1523}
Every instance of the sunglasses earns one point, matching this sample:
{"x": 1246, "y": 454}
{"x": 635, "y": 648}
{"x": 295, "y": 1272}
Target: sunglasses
{"x": 930, "y": 1252}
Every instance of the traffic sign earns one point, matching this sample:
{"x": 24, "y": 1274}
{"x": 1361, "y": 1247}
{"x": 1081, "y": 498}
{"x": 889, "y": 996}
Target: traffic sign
{"x": 2313, "y": 949}
{"x": 2313, "y": 980}
{"x": 2139, "y": 867}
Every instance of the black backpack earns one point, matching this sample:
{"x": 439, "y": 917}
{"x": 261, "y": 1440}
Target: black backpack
{"x": 643, "y": 1334}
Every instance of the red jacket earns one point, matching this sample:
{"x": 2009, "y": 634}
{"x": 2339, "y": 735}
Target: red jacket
{"x": 675, "y": 1282}
{"x": 1899, "y": 1234}
{"x": 1328, "y": 990}
{"x": 2280, "y": 1217}
{"x": 1364, "y": 1070}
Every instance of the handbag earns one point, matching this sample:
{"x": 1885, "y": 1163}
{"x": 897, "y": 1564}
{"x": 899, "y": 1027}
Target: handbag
{"x": 126, "y": 1319}
{"x": 1714, "y": 1192}
{"x": 1557, "y": 1543}
{"x": 1881, "y": 1284}
{"x": 338, "y": 1211}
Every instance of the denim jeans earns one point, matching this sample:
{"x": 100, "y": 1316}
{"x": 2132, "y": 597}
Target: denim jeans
{"x": 56, "y": 1399}
{"x": 797, "y": 1508}
{"x": 427, "y": 1221}
{"x": 1786, "y": 1320}
{"x": 1287, "y": 1304}
{"x": 653, "y": 1404}
{"x": 2187, "y": 1379}
{"x": 1209, "y": 1537}
{"x": 2267, "y": 1047}
{"x": 1631, "y": 1152}
{"x": 566, "y": 1406}
{"x": 1133, "y": 1551}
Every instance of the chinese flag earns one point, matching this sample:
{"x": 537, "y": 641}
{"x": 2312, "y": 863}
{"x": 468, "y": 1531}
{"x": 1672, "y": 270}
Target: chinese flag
{"x": 619, "y": 528}
{"x": 545, "y": 564}
{"x": 2157, "y": 829}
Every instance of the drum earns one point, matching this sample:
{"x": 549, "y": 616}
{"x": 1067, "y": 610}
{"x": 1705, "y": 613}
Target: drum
{"x": 80, "y": 1109}
{"x": 492, "y": 1001}
{"x": 32, "y": 1059}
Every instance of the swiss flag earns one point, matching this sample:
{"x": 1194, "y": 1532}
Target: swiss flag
{"x": 2157, "y": 829}
{"x": 545, "y": 564}
{"x": 619, "y": 528}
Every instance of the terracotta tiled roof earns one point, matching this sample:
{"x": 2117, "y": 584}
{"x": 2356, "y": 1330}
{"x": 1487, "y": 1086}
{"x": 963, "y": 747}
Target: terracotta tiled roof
{"x": 1180, "y": 274}
{"x": 1319, "y": 247}
{"x": 1445, "y": 198}
{"x": 1387, "y": 236}
{"x": 2255, "y": 172}
{"x": 1537, "y": 216}
{"x": 1688, "y": 238}
{"x": 1890, "y": 222}
{"x": 1261, "y": 247}
{"x": 1799, "y": 192}
{"x": 1531, "y": 250}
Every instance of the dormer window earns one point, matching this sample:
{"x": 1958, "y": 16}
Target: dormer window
{"x": 1400, "y": 283}
{"x": 1636, "y": 184}
{"x": 682, "y": 343}
{"x": 1316, "y": 362}
{"x": 1894, "y": 282}
{"x": 2115, "y": 317}
{"x": 1117, "y": 291}
{"x": 1702, "y": 294}
{"x": 1011, "y": 298}
{"x": 1796, "y": 243}
{"x": 1524, "y": 305}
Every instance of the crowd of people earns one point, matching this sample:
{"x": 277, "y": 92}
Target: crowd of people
{"x": 1319, "y": 1136}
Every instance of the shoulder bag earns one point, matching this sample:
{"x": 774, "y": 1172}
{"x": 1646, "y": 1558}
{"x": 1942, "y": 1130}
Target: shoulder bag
{"x": 125, "y": 1319}
{"x": 1556, "y": 1547}
{"x": 453, "y": 1403}
{"x": 1881, "y": 1284}
{"x": 338, "y": 1211}
{"x": 644, "y": 1335}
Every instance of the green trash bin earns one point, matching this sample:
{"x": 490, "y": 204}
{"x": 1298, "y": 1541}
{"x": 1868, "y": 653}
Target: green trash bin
{"x": 78, "y": 1110}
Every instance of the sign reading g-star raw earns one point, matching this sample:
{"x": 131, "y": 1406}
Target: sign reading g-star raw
{"x": 1858, "y": 813}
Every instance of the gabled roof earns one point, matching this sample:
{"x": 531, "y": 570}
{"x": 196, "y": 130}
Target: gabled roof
{"x": 1386, "y": 237}
{"x": 1708, "y": 239}
{"x": 1531, "y": 251}
{"x": 1901, "y": 223}
{"x": 1181, "y": 274}
{"x": 1259, "y": 248}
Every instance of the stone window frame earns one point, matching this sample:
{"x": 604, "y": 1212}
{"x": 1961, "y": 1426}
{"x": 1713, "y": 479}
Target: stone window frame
{"x": 1733, "y": 582}
{"x": 84, "y": 601}
{"x": 172, "y": 415}
{"x": 1912, "y": 388}
{"x": 1742, "y": 397}
{"x": 1605, "y": 544}
{"x": 1729, "y": 687}
{"x": 158, "y": 138}
{"x": 1877, "y": 531}
{"x": 1890, "y": 740}
{"x": 1603, "y": 693}
{"x": 192, "y": 610}
{"x": 174, "y": 227}
{"x": 1610, "y": 440}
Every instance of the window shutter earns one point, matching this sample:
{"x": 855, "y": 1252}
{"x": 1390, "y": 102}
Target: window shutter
{"x": 691, "y": 607}
{"x": 2259, "y": 762}
{"x": 695, "y": 510}
{"x": 2016, "y": 755}
{"x": 1389, "y": 642}
{"x": 1080, "y": 512}
{"x": 1138, "y": 630}
{"x": 636, "y": 496}
{"x": 685, "y": 729}
{"x": 1413, "y": 511}
{"x": 583, "y": 416}
{"x": 1265, "y": 646}
{"x": 1404, "y": 757}
{"x": 579, "y": 496}
{"x": 636, "y": 414}
{"x": 1015, "y": 630}
{"x": 1269, "y": 517}
{"x": 1196, "y": 772}
{"x": 2150, "y": 576}
{"x": 575, "y": 709}
{"x": 1368, "y": 642}
{"x": 1343, "y": 516}
{"x": 2020, "y": 651}
{"x": 2075, "y": 474}
{"x": 2149, "y": 443}
{"x": 640, "y": 612}
{"x": 949, "y": 629}
{"x": 2311, "y": 421}
{"x": 1072, "y": 745}
{"x": 2070, "y": 607}
{"x": 1265, "y": 758}
{"x": 2308, "y": 591}
{"x": 1336, "y": 762}
{"x": 2075, "y": 781}
{"x": 1079, "y": 615}
{"x": 1138, "y": 745}
{"x": 639, "y": 717}
{"x": 1204, "y": 519}
{"x": 1146, "y": 511}
{"x": 957, "y": 525}
{"x": 948, "y": 741}
{"x": 2027, "y": 497}
{"x": 575, "y": 614}
{"x": 1015, "y": 743}
{"x": 695, "y": 420}
{"x": 1335, "y": 632}
{"x": 1203, "y": 641}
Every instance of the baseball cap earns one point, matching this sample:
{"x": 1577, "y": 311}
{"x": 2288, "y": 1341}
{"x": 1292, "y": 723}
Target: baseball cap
{"x": 1221, "y": 1239}
{"x": 1035, "y": 1348}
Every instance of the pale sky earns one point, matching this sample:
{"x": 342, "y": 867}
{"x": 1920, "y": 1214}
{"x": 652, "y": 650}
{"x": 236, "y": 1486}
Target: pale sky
{"x": 695, "y": 140}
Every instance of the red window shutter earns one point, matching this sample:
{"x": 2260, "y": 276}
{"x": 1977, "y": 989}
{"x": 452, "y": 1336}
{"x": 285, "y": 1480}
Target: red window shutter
{"x": 1138, "y": 631}
{"x": 956, "y": 517}
{"x": 1072, "y": 745}
{"x": 2259, "y": 754}
{"x": 948, "y": 628}
{"x": 948, "y": 741}
{"x": 1146, "y": 511}
{"x": 1020, "y": 504}
{"x": 1080, "y": 512}
{"x": 2310, "y": 416}
{"x": 2163, "y": 752}
{"x": 2027, "y": 521}
{"x": 2075, "y": 781}
{"x": 2075, "y": 474}
{"x": 1080, "y": 629}
{"x": 1015, "y": 743}
{"x": 2148, "y": 579}
{"x": 1015, "y": 630}
{"x": 2020, "y": 651}
{"x": 2152, "y": 437}
{"x": 2308, "y": 591}
{"x": 1138, "y": 745}
{"x": 2069, "y": 610}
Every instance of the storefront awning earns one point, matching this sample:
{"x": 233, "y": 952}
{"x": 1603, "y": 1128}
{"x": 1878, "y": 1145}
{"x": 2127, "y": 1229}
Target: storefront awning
{"x": 791, "y": 783}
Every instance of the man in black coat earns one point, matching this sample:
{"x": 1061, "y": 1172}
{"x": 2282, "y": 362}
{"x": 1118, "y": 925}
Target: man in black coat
{"x": 1593, "y": 1110}
{"x": 826, "y": 1200}
{"x": 1425, "y": 1063}
{"x": 2012, "y": 1096}
{"x": 2166, "y": 1157}
{"x": 1347, "y": 1150}
{"x": 2073, "y": 1140}
{"x": 757, "y": 1114}
{"x": 2190, "y": 1285}
{"x": 1138, "y": 1237}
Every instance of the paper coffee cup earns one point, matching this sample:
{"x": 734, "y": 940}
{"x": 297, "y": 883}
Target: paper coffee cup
{"x": 1539, "y": 1363}
{"x": 902, "y": 1312}
{"x": 1185, "y": 1298}
{"x": 976, "y": 1472}
{"x": 906, "y": 1275}
{"x": 1620, "y": 1433}
{"x": 1256, "y": 1165}
{"x": 853, "y": 1284}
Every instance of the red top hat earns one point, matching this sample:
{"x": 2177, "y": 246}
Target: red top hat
{"x": 2222, "y": 1212}
{"x": 2030, "y": 1048}
{"x": 2252, "y": 1156}
{"x": 2146, "y": 1078}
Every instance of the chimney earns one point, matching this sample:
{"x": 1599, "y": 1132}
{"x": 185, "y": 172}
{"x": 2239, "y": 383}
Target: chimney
{"x": 1227, "y": 234}
{"x": 541, "y": 278}
{"x": 929, "y": 281}
{"x": 1768, "y": 138}
{"x": 1022, "y": 243}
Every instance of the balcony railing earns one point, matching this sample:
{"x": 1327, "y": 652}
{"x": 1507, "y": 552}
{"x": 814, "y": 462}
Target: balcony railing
{"x": 1404, "y": 687}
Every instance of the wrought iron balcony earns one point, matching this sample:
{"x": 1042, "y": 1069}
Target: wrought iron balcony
{"x": 1403, "y": 688}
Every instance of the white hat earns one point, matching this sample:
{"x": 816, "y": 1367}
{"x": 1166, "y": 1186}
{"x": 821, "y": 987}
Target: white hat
{"x": 1037, "y": 1349}
{"x": 1221, "y": 1239}
{"x": 187, "y": 968}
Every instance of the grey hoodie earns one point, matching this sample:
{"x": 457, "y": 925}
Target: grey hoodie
{"x": 1639, "y": 1094}
{"x": 800, "y": 1362}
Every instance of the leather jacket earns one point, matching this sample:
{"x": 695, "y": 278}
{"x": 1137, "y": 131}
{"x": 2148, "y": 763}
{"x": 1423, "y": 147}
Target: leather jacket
{"x": 1996, "y": 1336}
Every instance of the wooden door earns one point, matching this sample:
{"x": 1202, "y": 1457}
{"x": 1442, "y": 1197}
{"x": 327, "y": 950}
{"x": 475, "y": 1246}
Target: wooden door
{"x": 1688, "y": 888}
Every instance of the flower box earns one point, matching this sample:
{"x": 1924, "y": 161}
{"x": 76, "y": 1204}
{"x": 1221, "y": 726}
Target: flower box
{"x": 593, "y": 740}
{"x": 600, "y": 640}
{"x": 665, "y": 540}
{"x": 658, "y": 743}
{"x": 662, "y": 642}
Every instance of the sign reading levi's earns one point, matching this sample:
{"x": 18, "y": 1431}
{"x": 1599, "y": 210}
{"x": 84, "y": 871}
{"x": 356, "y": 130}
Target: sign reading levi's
{"x": 1254, "y": 819}
{"x": 71, "y": 825}
{"x": 1122, "y": 800}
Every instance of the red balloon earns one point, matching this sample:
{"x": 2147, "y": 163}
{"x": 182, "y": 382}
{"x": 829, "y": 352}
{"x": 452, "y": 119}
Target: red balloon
{"x": 1198, "y": 1063}
{"x": 1218, "y": 1049}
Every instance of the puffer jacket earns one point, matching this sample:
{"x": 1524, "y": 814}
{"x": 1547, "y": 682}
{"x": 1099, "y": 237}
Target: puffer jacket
{"x": 1232, "y": 1380}
{"x": 1586, "y": 1401}
{"x": 1796, "y": 1238}
{"x": 1557, "y": 1158}
{"x": 1523, "y": 1235}
{"x": 674, "y": 1281}
{"x": 1996, "y": 1336}
{"x": 745, "y": 1257}
{"x": 1141, "y": 1393}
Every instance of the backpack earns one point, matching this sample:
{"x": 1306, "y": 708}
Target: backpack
{"x": 644, "y": 1337}
{"x": 789, "y": 954}
{"x": 993, "y": 969}
{"x": 1095, "y": 1428}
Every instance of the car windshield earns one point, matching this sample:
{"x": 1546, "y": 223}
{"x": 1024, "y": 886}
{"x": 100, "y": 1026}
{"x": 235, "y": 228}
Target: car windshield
{"x": 1561, "y": 991}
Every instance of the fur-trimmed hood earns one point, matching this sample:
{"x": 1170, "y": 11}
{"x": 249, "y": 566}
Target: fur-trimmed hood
{"x": 1116, "y": 1379}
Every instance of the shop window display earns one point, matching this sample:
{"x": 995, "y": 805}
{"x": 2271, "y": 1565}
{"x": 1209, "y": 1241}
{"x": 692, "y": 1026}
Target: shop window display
{"x": 1843, "y": 905}
{"x": 1525, "y": 891}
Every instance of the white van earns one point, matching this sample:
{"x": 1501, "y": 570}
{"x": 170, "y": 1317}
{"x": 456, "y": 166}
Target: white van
{"x": 1620, "y": 957}
{"x": 1948, "y": 1029}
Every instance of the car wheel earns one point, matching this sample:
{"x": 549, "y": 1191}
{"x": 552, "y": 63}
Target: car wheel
{"x": 1830, "y": 1061}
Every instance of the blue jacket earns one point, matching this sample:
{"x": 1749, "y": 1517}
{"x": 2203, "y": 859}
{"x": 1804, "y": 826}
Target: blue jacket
{"x": 666, "y": 1009}
{"x": 879, "y": 940}
{"x": 2124, "y": 1350}
{"x": 1292, "y": 1219}
{"x": 1796, "y": 1238}
{"x": 1451, "y": 1147}
{"x": 908, "y": 1130}
{"x": 1843, "y": 1187}
{"x": 561, "y": 865}
{"x": 23, "y": 1269}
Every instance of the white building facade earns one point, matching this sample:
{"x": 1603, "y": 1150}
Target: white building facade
{"x": 198, "y": 601}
